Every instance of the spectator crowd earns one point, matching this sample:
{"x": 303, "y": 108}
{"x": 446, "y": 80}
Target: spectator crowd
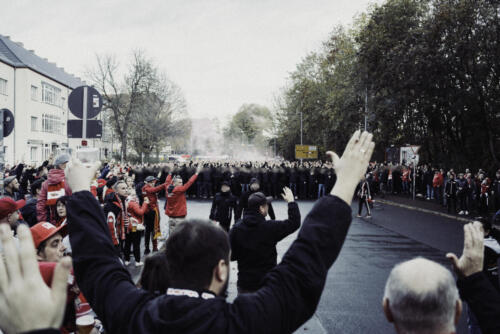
{"x": 68, "y": 232}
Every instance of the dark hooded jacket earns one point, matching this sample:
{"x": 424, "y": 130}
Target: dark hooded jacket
{"x": 253, "y": 244}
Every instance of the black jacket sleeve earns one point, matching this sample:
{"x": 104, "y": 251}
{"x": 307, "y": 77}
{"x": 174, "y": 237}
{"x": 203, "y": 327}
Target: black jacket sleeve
{"x": 44, "y": 331}
{"x": 271, "y": 212}
{"x": 292, "y": 290}
{"x": 102, "y": 278}
{"x": 483, "y": 299}
{"x": 213, "y": 210}
{"x": 281, "y": 229}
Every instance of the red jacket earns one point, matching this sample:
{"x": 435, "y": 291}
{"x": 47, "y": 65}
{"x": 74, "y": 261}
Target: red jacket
{"x": 438, "y": 180}
{"x": 55, "y": 176}
{"x": 150, "y": 192}
{"x": 176, "y": 199}
{"x": 136, "y": 212}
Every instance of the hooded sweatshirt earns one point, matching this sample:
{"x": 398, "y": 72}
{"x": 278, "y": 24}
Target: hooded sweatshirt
{"x": 253, "y": 244}
{"x": 45, "y": 213}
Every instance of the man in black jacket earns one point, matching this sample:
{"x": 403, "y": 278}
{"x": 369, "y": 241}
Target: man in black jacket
{"x": 29, "y": 210}
{"x": 450, "y": 191}
{"x": 254, "y": 239}
{"x": 222, "y": 206}
{"x": 243, "y": 202}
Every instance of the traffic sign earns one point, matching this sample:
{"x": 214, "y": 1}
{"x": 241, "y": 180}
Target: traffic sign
{"x": 76, "y": 102}
{"x": 75, "y": 128}
{"x": 306, "y": 152}
{"x": 8, "y": 122}
{"x": 6, "y": 128}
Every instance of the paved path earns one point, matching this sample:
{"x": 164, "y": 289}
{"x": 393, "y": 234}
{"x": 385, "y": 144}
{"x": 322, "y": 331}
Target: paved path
{"x": 351, "y": 301}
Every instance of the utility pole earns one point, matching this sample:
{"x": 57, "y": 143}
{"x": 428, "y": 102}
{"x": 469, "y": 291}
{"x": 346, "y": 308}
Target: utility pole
{"x": 366, "y": 107}
{"x": 301, "y": 142}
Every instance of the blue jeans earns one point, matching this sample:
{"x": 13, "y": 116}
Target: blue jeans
{"x": 321, "y": 190}
{"x": 429, "y": 191}
{"x": 244, "y": 188}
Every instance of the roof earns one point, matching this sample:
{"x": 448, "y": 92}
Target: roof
{"x": 15, "y": 55}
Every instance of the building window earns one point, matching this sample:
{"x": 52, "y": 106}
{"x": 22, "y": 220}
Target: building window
{"x": 3, "y": 86}
{"x": 63, "y": 100}
{"x": 46, "y": 152}
{"x": 34, "y": 123}
{"x": 34, "y": 93}
{"x": 52, "y": 124}
{"x": 51, "y": 94}
{"x": 34, "y": 153}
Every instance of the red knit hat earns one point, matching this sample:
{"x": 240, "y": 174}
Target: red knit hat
{"x": 43, "y": 231}
{"x": 8, "y": 206}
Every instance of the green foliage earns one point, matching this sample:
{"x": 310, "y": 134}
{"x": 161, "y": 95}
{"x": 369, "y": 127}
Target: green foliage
{"x": 250, "y": 125}
{"x": 429, "y": 71}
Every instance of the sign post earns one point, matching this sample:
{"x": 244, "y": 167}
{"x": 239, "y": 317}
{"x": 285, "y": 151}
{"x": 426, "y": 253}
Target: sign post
{"x": 85, "y": 103}
{"x": 306, "y": 152}
{"x": 6, "y": 127}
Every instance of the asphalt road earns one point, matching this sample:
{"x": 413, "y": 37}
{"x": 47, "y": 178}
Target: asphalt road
{"x": 351, "y": 301}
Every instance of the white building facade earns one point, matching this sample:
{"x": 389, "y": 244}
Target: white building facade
{"x": 36, "y": 91}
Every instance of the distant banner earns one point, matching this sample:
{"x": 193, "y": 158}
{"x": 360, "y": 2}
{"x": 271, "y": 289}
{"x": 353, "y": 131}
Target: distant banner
{"x": 306, "y": 152}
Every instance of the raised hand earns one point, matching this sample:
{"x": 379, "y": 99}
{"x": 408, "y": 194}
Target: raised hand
{"x": 287, "y": 195}
{"x": 471, "y": 261}
{"x": 352, "y": 166}
{"x": 26, "y": 302}
{"x": 79, "y": 176}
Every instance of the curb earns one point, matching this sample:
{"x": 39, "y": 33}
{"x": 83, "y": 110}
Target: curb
{"x": 414, "y": 208}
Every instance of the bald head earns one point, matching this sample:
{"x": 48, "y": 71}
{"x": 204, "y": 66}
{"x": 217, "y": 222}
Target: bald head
{"x": 421, "y": 297}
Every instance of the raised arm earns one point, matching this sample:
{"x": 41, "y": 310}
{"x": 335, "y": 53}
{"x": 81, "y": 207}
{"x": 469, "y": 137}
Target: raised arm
{"x": 283, "y": 228}
{"x": 473, "y": 285}
{"x": 292, "y": 290}
{"x": 188, "y": 184}
{"x": 99, "y": 273}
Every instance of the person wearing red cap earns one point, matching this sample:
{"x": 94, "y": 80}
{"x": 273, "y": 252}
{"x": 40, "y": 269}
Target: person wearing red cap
{"x": 9, "y": 211}
{"x": 48, "y": 241}
{"x": 52, "y": 189}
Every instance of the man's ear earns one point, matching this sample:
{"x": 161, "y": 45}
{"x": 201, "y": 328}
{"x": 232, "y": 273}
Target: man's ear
{"x": 458, "y": 311}
{"x": 387, "y": 310}
{"x": 221, "y": 271}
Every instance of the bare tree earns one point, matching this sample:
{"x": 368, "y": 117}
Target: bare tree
{"x": 141, "y": 93}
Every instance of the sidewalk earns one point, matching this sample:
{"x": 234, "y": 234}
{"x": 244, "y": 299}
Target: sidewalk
{"x": 422, "y": 205}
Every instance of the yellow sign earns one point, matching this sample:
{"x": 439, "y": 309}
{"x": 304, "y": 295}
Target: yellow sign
{"x": 306, "y": 152}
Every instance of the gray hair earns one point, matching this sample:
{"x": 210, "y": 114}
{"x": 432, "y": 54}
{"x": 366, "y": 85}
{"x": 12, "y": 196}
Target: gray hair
{"x": 115, "y": 186}
{"x": 422, "y": 297}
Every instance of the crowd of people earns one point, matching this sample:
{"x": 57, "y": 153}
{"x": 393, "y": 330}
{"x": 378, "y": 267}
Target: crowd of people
{"x": 463, "y": 192}
{"x": 98, "y": 217}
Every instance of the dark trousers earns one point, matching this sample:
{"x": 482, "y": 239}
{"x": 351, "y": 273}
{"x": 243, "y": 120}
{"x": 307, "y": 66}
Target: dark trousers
{"x": 451, "y": 201}
{"x": 149, "y": 222}
{"x": 207, "y": 189}
{"x": 225, "y": 225}
{"x": 133, "y": 239}
{"x": 364, "y": 201}
{"x": 462, "y": 200}
{"x": 293, "y": 188}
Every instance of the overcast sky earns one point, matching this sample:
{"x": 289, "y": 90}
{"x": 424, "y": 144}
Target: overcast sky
{"x": 222, "y": 53}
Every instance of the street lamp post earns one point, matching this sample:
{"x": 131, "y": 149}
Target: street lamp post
{"x": 301, "y": 142}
